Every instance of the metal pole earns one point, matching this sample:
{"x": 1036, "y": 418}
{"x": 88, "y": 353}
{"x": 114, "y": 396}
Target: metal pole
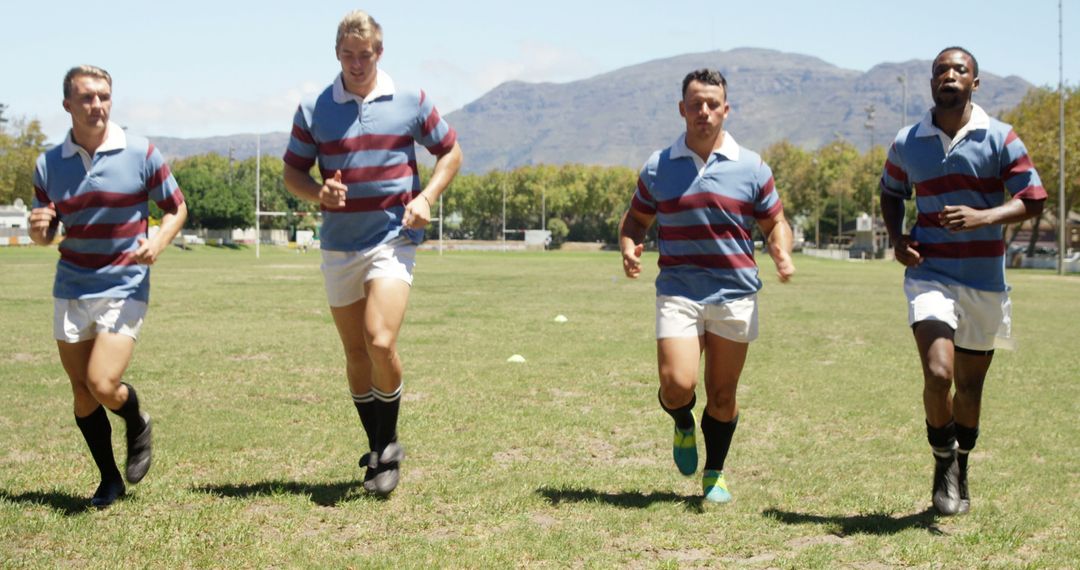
{"x": 1063, "y": 215}
{"x": 543, "y": 208}
{"x": 258, "y": 172}
{"x": 504, "y": 216}
{"x": 440, "y": 224}
{"x": 903, "y": 111}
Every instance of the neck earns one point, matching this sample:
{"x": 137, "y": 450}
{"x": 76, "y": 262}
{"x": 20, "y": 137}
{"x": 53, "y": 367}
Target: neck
{"x": 950, "y": 121}
{"x": 361, "y": 91}
{"x": 704, "y": 146}
{"x": 88, "y": 138}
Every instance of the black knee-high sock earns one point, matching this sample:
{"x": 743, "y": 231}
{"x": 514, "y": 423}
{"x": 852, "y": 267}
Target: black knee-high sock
{"x": 684, "y": 420}
{"x": 387, "y": 405}
{"x": 965, "y": 442}
{"x": 942, "y": 439}
{"x": 366, "y": 407}
{"x": 97, "y": 432}
{"x": 718, "y": 436}
{"x": 130, "y": 412}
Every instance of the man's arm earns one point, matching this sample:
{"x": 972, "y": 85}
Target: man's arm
{"x": 171, "y": 224}
{"x": 43, "y": 224}
{"x": 418, "y": 212}
{"x": 779, "y": 240}
{"x": 964, "y": 218}
{"x": 331, "y": 193}
{"x": 905, "y": 250}
{"x": 632, "y": 230}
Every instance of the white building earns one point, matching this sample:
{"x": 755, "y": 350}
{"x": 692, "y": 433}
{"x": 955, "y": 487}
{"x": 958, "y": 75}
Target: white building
{"x": 15, "y": 216}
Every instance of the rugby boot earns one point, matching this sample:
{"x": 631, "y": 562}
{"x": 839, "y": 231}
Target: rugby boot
{"x": 138, "y": 452}
{"x": 387, "y": 472}
{"x": 946, "y": 494}
{"x": 370, "y": 462}
{"x": 962, "y": 487}
{"x": 715, "y": 487}
{"x": 107, "y": 493}
{"x": 684, "y": 449}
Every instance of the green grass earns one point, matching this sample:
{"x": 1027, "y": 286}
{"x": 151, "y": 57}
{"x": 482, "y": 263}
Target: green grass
{"x": 561, "y": 461}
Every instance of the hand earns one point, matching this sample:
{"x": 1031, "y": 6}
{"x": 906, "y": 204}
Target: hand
{"x": 962, "y": 218}
{"x": 631, "y": 260}
{"x": 147, "y": 253}
{"x": 785, "y": 267}
{"x": 417, "y": 213}
{"x": 333, "y": 192}
{"x": 906, "y": 251}
{"x": 43, "y": 224}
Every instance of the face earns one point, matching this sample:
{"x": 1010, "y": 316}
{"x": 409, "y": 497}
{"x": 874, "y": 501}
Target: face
{"x": 89, "y": 103}
{"x": 359, "y": 60}
{"x": 704, "y": 107}
{"x": 952, "y": 80}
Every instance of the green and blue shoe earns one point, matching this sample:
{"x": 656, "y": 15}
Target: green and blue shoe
{"x": 684, "y": 450}
{"x": 715, "y": 487}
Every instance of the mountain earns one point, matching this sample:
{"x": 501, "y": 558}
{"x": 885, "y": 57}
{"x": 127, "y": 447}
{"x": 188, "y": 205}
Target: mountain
{"x": 620, "y": 117}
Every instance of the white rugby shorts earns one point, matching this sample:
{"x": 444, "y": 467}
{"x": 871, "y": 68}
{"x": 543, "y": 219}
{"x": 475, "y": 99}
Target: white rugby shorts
{"x": 345, "y": 272}
{"x": 680, "y": 317}
{"x": 982, "y": 319}
{"x": 77, "y": 320}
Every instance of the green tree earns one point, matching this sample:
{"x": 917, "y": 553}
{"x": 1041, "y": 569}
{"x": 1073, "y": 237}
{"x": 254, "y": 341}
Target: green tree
{"x": 21, "y": 142}
{"x": 216, "y": 196}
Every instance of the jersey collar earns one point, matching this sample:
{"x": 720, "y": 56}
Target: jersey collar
{"x": 384, "y": 85}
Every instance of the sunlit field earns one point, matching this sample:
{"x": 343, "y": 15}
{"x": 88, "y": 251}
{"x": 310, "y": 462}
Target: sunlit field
{"x": 563, "y": 460}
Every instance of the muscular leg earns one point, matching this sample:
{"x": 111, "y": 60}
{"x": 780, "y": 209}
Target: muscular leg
{"x": 678, "y": 360}
{"x": 724, "y": 360}
{"x": 935, "y": 343}
{"x": 349, "y": 322}
{"x": 383, "y": 316}
{"x": 970, "y": 374}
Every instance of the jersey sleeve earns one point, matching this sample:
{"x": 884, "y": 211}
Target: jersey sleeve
{"x": 894, "y": 177}
{"x": 432, "y": 131}
{"x": 1018, "y": 173}
{"x": 302, "y": 150}
{"x": 41, "y": 196}
{"x": 768, "y": 204}
{"x": 643, "y": 200}
{"x": 161, "y": 185}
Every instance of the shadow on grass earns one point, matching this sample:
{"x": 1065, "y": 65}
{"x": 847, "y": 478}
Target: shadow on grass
{"x": 874, "y": 523}
{"x": 325, "y": 494}
{"x": 63, "y": 503}
{"x": 622, "y": 499}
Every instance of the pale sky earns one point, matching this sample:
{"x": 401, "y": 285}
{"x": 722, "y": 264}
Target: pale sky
{"x": 193, "y": 68}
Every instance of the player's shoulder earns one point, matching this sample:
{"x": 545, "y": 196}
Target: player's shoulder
{"x": 312, "y": 100}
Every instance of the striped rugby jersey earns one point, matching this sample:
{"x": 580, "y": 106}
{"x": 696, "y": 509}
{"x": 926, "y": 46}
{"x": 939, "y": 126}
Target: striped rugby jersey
{"x": 102, "y": 202}
{"x": 976, "y": 168}
{"x": 705, "y": 213}
{"x": 371, "y": 141}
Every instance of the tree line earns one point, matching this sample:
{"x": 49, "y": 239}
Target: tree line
{"x": 823, "y": 189}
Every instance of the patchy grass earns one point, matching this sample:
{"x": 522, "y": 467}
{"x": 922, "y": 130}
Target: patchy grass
{"x": 560, "y": 461}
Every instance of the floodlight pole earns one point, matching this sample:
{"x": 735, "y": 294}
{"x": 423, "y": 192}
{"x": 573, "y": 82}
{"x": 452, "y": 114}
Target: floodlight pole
{"x": 903, "y": 112}
{"x": 440, "y": 224}
{"x": 258, "y": 171}
{"x": 504, "y": 216}
{"x": 1063, "y": 216}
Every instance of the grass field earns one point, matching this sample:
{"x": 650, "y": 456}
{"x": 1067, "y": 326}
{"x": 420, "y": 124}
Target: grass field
{"x": 562, "y": 461}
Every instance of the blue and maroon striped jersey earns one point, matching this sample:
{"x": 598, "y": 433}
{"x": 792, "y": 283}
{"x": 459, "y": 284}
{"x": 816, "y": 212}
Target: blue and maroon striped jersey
{"x": 705, "y": 213}
{"x": 102, "y": 202}
{"x": 371, "y": 141}
{"x": 984, "y": 161}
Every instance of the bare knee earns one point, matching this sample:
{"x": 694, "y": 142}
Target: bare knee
{"x": 105, "y": 390}
{"x": 675, "y": 390}
{"x": 382, "y": 348}
{"x": 938, "y": 376}
{"x": 970, "y": 388}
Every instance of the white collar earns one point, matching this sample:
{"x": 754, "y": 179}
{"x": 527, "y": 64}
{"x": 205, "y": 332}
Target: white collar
{"x": 729, "y": 149}
{"x": 978, "y": 120}
{"x": 114, "y": 139}
{"x": 384, "y": 85}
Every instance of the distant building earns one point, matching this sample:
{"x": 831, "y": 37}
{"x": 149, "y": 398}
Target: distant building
{"x": 15, "y": 216}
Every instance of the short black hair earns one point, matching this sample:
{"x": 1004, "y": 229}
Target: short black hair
{"x": 974, "y": 62}
{"x": 706, "y": 76}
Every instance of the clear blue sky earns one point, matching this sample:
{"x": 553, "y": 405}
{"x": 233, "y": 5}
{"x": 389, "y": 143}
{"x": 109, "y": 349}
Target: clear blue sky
{"x": 199, "y": 68}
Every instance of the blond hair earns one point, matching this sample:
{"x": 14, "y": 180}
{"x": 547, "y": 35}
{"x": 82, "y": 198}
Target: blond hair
{"x": 80, "y": 70}
{"x": 360, "y": 24}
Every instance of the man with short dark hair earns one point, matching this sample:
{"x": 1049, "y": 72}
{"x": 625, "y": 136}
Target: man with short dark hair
{"x": 961, "y": 163}
{"x": 361, "y": 131}
{"x": 706, "y": 193}
{"x": 98, "y": 183}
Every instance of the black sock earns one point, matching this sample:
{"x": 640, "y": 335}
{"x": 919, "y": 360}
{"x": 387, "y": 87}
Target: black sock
{"x": 684, "y": 420}
{"x": 130, "y": 412}
{"x": 387, "y": 406}
{"x": 718, "y": 436}
{"x": 965, "y": 441}
{"x": 942, "y": 439}
{"x": 366, "y": 407}
{"x": 97, "y": 431}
